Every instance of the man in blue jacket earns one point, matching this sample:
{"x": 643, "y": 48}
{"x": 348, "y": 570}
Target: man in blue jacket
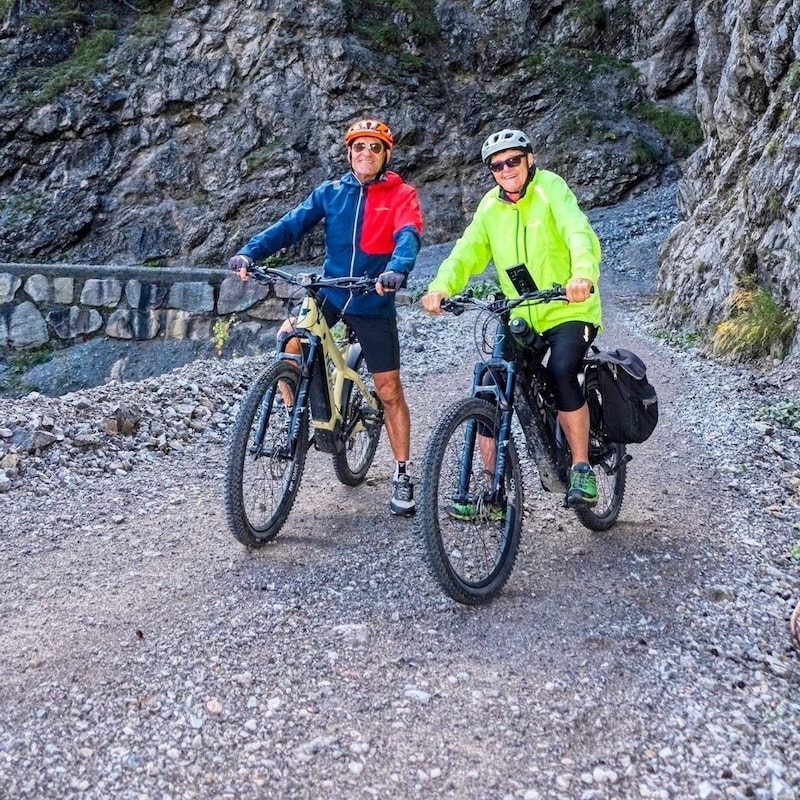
{"x": 373, "y": 226}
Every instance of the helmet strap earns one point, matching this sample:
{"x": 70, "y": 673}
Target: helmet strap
{"x": 531, "y": 173}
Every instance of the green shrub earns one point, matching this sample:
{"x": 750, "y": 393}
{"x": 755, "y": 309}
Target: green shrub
{"x": 682, "y": 131}
{"x": 58, "y": 20}
{"x": 18, "y": 364}
{"x": 785, "y": 413}
{"x": 682, "y": 340}
{"x": 643, "y": 152}
{"x": 375, "y": 23}
{"x": 577, "y": 124}
{"x": 564, "y": 67}
{"x": 482, "y": 288}
{"x": 152, "y": 24}
{"x": 221, "y": 332}
{"x": 256, "y": 159}
{"x": 589, "y": 12}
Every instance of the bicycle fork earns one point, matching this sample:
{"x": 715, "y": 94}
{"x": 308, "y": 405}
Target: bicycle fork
{"x": 494, "y": 381}
{"x": 295, "y": 407}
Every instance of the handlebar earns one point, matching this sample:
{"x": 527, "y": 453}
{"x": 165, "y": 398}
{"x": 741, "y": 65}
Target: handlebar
{"x": 311, "y": 281}
{"x": 457, "y": 305}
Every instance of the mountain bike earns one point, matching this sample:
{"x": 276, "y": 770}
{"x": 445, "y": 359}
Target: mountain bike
{"x": 322, "y": 397}
{"x": 472, "y": 495}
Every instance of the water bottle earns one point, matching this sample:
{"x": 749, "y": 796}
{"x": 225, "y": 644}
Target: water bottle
{"x": 522, "y": 332}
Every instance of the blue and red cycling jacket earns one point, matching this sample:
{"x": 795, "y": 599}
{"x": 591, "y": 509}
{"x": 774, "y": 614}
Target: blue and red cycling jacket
{"x": 369, "y": 229}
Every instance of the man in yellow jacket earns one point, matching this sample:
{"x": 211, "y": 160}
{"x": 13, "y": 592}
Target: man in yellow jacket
{"x": 532, "y": 218}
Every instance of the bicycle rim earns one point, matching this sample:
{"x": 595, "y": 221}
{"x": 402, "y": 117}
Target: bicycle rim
{"x": 263, "y": 475}
{"x": 610, "y": 469}
{"x": 471, "y": 558}
{"x": 361, "y": 431}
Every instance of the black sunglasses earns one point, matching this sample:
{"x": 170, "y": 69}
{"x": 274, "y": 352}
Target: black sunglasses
{"x": 498, "y": 166}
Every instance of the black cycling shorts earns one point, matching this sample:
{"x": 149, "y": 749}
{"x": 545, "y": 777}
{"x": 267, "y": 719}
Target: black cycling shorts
{"x": 377, "y": 336}
{"x": 568, "y": 343}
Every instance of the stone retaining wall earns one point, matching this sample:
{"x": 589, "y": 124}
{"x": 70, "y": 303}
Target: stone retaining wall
{"x": 64, "y": 304}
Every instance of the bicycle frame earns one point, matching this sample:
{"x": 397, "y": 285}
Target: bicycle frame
{"x": 501, "y": 380}
{"x": 327, "y": 373}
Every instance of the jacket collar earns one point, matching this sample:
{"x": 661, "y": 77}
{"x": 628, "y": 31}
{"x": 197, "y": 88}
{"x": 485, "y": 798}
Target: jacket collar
{"x": 386, "y": 178}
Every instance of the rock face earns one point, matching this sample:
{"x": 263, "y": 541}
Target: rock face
{"x": 172, "y": 134}
{"x": 199, "y": 123}
{"x": 741, "y": 189}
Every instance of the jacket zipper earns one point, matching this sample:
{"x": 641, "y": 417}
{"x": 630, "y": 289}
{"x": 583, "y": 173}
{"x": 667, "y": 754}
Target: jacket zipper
{"x": 355, "y": 230}
{"x": 524, "y": 259}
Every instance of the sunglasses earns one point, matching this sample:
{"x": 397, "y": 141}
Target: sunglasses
{"x": 376, "y": 147}
{"x": 499, "y": 166}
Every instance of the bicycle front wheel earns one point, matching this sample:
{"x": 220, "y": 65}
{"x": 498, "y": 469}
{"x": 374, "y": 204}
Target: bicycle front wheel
{"x": 470, "y": 542}
{"x": 609, "y": 462}
{"x": 265, "y": 459}
{"x": 361, "y": 430}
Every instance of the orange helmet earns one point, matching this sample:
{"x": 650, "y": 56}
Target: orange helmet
{"x": 370, "y": 127}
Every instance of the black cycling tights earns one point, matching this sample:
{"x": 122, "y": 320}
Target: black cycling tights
{"x": 568, "y": 343}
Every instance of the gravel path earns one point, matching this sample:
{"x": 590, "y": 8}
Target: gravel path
{"x": 147, "y": 655}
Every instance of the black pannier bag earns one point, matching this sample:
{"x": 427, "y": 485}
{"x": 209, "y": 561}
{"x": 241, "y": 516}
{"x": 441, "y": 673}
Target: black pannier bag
{"x": 623, "y": 404}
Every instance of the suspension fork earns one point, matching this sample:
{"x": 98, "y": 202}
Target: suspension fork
{"x": 305, "y": 363}
{"x": 505, "y": 404}
{"x": 495, "y": 380}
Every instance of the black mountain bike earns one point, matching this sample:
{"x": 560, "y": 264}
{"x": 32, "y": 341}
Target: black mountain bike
{"x": 322, "y": 397}
{"x": 472, "y": 498}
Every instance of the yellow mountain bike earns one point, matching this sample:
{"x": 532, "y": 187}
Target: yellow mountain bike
{"x": 324, "y": 397}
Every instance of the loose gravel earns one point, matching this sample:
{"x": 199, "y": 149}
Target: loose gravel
{"x": 147, "y": 655}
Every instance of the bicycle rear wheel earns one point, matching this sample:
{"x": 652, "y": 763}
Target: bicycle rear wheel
{"x": 470, "y": 555}
{"x": 263, "y": 471}
{"x": 361, "y": 430}
{"x": 610, "y": 463}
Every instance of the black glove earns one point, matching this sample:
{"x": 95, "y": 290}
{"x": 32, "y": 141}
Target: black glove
{"x": 237, "y": 263}
{"x": 392, "y": 281}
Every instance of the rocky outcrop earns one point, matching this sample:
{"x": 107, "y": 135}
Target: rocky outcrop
{"x": 741, "y": 189}
{"x": 204, "y": 121}
{"x": 195, "y": 124}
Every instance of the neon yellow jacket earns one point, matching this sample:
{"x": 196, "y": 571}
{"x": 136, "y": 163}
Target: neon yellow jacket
{"x": 545, "y": 230}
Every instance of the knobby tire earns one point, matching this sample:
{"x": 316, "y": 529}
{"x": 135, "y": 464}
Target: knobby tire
{"x": 262, "y": 476}
{"x": 361, "y": 431}
{"x": 610, "y": 469}
{"x": 470, "y": 560}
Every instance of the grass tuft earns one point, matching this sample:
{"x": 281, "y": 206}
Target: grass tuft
{"x": 757, "y": 326}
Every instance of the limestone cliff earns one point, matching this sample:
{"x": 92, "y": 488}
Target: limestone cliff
{"x": 175, "y": 133}
{"x": 741, "y": 189}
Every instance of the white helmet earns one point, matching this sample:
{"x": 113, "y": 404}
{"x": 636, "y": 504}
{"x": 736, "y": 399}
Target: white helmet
{"x": 507, "y": 139}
